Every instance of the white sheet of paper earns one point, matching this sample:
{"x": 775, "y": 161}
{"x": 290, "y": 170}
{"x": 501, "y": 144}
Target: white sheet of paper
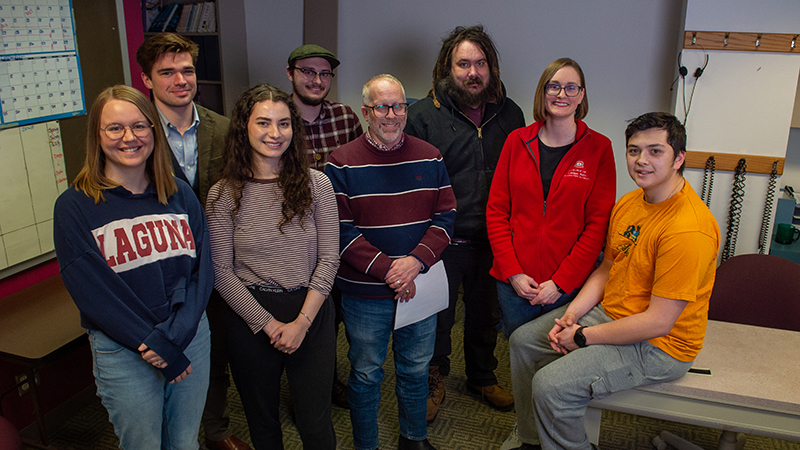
{"x": 432, "y": 296}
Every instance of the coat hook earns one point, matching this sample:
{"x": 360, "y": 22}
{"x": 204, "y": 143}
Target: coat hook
{"x": 727, "y": 36}
{"x": 694, "y": 37}
{"x": 758, "y": 40}
{"x": 794, "y": 42}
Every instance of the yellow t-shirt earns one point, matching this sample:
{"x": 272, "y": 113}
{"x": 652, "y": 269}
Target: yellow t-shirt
{"x": 667, "y": 249}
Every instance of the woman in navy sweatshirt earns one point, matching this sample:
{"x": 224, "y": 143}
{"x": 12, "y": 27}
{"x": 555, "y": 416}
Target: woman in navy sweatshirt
{"x": 132, "y": 246}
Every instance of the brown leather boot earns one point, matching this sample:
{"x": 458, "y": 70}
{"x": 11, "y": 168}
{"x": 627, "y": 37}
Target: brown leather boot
{"x": 435, "y": 392}
{"x": 497, "y": 397}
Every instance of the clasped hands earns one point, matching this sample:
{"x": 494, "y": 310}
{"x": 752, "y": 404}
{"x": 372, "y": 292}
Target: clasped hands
{"x": 158, "y": 362}
{"x": 287, "y": 337}
{"x": 561, "y": 336}
{"x": 401, "y": 275}
{"x": 544, "y": 293}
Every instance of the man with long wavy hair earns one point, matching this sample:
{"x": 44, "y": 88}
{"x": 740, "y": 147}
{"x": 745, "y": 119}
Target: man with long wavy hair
{"x": 467, "y": 116}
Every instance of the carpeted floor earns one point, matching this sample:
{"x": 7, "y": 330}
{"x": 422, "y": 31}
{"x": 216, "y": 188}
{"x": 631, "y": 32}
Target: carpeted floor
{"x": 464, "y": 422}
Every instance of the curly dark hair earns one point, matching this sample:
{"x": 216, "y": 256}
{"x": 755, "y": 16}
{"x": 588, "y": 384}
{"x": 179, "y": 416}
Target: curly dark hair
{"x": 477, "y": 36}
{"x": 293, "y": 179}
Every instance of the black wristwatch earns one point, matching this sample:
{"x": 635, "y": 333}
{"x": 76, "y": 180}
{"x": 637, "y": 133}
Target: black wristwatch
{"x": 579, "y": 338}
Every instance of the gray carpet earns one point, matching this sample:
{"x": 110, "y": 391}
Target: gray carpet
{"x": 464, "y": 422}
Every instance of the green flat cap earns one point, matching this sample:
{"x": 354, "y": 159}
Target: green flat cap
{"x": 313, "y": 51}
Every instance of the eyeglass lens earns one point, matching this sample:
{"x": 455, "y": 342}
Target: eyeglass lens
{"x": 400, "y": 109}
{"x": 118, "y": 131}
{"x": 571, "y": 90}
{"x": 310, "y": 74}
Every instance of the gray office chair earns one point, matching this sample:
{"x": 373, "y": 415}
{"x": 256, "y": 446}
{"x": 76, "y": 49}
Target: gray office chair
{"x": 759, "y": 290}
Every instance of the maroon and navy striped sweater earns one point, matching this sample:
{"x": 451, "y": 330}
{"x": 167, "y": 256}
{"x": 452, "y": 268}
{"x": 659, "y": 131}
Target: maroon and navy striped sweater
{"x": 391, "y": 204}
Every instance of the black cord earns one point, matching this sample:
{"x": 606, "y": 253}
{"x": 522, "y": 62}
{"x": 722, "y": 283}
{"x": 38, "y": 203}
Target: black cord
{"x": 691, "y": 96}
{"x": 708, "y": 180}
{"x": 763, "y": 236}
{"x": 735, "y": 210}
{"x": 697, "y": 73}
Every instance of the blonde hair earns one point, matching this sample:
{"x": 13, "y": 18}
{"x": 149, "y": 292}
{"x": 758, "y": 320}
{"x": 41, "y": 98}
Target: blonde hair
{"x": 92, "y": 179}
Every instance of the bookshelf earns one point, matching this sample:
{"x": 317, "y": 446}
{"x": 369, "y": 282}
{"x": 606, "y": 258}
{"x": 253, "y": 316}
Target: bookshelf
{"x": 210, "y": 80}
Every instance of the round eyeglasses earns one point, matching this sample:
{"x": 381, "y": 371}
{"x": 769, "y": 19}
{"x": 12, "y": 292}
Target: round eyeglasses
{"x": 310, "y": 74}
{"x": 400, "y": 109}
{"x": 572, "y": 90}
{"x": 117, "y": 131}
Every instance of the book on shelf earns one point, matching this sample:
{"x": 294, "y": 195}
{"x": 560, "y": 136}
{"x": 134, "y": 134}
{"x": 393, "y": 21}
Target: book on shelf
{"x": 197, "y": 17}
{"x": 208, "y": 8}
{"x": 172, "y": 22}
{"x": 184, "y": 20}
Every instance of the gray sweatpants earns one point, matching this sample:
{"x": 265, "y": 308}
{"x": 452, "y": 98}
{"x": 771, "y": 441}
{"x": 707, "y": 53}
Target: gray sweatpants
{"x": 551, "y": 390}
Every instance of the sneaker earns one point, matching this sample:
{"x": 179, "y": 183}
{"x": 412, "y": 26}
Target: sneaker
{"x": 497, "y": 397}
{"x": 512, "y": 441}
{"x": 435, "y": 392}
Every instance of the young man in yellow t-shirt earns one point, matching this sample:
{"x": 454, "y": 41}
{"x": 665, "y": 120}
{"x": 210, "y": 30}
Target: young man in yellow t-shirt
{"x": 641, "y": 316}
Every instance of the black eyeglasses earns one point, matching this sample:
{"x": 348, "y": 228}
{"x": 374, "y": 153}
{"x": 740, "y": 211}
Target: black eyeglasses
{"x": 310, "y": 74}
{"x": 400, "y": 109}
{"x": 116, "y": 131}
{"x": 572, "y": 90}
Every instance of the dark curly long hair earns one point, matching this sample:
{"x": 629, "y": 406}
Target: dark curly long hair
{"x": 293, "y": 177}
{"x": 477, "y": 35}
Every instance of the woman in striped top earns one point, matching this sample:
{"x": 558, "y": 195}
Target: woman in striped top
{"x": 274, "y": 243}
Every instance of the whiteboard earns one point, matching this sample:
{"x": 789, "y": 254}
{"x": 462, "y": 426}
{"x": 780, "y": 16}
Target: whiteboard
{"x": 34, "y": 175}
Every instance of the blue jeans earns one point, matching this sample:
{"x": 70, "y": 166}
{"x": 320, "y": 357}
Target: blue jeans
{"x": 369, "y": 324}
{"x": 145, "y": 409}
{"x": 551, "y": 390}
{"x": 516, "y": 311}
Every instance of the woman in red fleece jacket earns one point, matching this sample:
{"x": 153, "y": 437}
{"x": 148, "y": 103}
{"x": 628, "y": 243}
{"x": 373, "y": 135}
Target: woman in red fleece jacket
{"x": 550, "y": 200}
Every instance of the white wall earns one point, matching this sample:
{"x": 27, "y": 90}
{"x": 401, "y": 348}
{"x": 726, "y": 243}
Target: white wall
{"x": 274, "y": 29}
{"x": 765, "y": 16}
{"x": 741, "y": 105}
{"x": 627, "y": 49}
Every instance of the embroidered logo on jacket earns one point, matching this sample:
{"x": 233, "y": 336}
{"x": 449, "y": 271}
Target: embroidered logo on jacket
{"x": 129, "y": 243}
{"x": 578, "y": 171}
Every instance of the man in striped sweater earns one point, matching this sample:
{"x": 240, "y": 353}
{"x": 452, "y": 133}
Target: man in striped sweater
{"x": 396, "y": 215}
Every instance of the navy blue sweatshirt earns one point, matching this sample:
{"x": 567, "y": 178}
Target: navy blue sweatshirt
{"x": 138, "y": 270}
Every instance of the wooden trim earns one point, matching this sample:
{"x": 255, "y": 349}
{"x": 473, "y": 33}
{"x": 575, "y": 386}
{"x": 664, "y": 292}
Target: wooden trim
{"x": 741, "y": 42}
{"x": 729, "y": 161}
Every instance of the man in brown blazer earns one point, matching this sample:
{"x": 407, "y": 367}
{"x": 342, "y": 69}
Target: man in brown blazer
{"x": 196, "y": 136}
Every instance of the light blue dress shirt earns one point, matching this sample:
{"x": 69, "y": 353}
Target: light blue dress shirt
{"x": 184, "y": 147}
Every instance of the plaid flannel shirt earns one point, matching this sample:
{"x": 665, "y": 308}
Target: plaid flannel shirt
{"x": 336, "y": 125}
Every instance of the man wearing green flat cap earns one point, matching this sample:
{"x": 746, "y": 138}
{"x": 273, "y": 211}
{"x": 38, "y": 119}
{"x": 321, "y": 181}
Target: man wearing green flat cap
{"x": 328, "y": 124}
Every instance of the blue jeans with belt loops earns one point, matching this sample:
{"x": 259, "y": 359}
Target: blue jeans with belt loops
{"x": 369, "y": 324}
{"x": 145, "y": 409}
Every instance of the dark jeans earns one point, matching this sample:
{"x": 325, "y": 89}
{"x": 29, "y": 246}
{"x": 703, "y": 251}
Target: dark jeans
{"x": 468, "y": 265}
{"x": 257, "y": 367}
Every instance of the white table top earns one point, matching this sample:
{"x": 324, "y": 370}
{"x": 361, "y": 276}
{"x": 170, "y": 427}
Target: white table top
{"x": 750, "y": 366}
